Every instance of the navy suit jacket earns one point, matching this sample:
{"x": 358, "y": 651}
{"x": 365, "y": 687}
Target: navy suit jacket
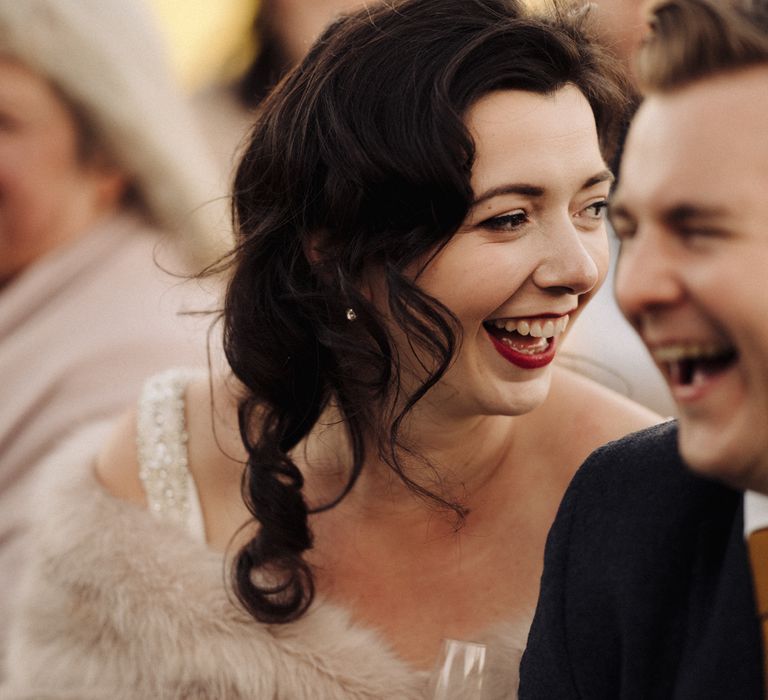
{"x": 646, "y": 591}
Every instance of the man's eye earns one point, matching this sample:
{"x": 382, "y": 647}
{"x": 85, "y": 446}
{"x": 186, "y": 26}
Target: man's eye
{"x": 7, "y": 123}
{"x": 623, "y": 228}
{"x": 700, "y": 232}
{"x": 506, "y": 222}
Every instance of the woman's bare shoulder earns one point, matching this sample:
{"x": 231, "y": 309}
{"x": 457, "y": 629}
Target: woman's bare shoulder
{"x": 117, "y": 465}
{"x": 596, "y": 412}
{"x": 217, "y": 458}
{"x": 210, "y": 422}
{"x": 216, "y": 452}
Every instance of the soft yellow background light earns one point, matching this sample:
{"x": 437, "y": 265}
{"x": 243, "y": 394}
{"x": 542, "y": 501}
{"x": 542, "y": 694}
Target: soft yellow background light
{"x": 211, "y": 40}
{"x": 207, "y": 38}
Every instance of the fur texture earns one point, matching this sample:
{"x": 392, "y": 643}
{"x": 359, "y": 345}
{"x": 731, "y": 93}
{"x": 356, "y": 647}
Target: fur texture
{"x": 119, "y": 605}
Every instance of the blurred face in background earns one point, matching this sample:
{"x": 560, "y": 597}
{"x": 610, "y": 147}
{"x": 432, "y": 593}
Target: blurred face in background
{"x": 49, "y": 194}
{"x": 621, "y": 25}
{"x": 691, "y": 210}
{"x": 297, "y": 23}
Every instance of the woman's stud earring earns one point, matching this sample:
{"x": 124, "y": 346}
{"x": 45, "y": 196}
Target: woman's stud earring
{"x": 351, "y": 315}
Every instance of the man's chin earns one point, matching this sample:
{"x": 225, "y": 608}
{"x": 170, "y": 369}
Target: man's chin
{"x": 716, "y": 462}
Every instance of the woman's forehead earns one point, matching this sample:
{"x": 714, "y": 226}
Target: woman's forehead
{"x": 533, "y": 138}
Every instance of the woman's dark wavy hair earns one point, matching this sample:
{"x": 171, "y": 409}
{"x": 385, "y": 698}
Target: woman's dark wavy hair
{"x": 362, "y": 152}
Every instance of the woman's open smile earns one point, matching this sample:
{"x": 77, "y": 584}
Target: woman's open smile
{"x": 529, "y": 343}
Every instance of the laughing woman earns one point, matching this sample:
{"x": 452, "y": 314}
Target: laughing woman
{"x": 420, "y": 217}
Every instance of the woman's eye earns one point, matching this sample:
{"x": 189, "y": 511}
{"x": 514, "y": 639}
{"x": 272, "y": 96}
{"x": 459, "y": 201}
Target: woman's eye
{"x": 596, "y": 210}
{"x": 506, "y": 222}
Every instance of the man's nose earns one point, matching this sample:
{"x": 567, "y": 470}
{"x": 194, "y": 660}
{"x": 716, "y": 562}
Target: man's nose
{"x": 646, "y": 274}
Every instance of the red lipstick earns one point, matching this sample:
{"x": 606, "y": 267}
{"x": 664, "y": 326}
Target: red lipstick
{"x": 523, "y": 360}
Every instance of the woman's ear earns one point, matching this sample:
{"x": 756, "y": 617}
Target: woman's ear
{"x": 321, "y": 255}
{"x": 315, "y": 248}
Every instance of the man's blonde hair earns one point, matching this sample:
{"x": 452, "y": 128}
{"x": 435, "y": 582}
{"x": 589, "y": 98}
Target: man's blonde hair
{"x": 695, "y": 39}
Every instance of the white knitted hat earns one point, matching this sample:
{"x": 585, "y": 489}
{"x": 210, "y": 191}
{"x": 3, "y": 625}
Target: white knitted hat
{"x": 107, "y": 59}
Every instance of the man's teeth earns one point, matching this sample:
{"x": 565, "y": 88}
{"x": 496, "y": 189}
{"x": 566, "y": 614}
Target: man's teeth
{"x": 690, "y": 351}
{"x": 536, "y": 328}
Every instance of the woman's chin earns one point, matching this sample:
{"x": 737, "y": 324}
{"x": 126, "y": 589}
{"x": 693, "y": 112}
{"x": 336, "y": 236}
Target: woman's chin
{"x": 516, "y": 398}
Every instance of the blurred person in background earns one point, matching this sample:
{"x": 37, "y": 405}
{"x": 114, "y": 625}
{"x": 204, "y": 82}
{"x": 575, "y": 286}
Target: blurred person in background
{"x": 281, "y": 34}
{"x": 419, "y": 220}
{"x": 285, "y": 30}
{"x": 622, "y": 24}
{"x": 103, "y": 186}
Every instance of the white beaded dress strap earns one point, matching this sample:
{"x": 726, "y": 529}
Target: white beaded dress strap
{"x": 162, "y": 451}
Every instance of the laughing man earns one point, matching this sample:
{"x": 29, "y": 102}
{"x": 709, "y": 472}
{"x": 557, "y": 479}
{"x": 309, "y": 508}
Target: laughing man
{"x": 648, "y": 588}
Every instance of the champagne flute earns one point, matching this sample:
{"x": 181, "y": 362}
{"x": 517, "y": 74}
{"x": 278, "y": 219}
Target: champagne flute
{"x": 458, "y": 673}
{"x": 469, "y": 671}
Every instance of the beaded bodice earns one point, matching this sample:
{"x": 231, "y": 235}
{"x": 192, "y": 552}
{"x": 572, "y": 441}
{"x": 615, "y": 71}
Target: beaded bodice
{"x": 162, "y": 451}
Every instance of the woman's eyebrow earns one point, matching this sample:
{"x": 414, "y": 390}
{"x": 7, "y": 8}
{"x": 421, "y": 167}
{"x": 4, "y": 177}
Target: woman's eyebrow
{"x": 603, "y": 176}
{"x": 512, "y": 188}
{"x": 529, "y": 190}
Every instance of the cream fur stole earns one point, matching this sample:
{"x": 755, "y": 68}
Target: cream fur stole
{"x": 118, "y": 605}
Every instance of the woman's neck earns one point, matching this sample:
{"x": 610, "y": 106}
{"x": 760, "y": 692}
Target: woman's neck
{"x": 460, "y": 461}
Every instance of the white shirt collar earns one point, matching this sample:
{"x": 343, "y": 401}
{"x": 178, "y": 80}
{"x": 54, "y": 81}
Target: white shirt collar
{"x": 755, "y": 512}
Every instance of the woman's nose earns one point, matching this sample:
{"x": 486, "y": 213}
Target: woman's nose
{"x": 570, "y": 263}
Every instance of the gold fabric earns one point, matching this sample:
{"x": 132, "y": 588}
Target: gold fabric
{"x": 758, "y": 556}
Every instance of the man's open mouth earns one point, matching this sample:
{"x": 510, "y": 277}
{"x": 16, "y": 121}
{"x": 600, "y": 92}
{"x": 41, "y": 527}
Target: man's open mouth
{"x": 689, "y": 364}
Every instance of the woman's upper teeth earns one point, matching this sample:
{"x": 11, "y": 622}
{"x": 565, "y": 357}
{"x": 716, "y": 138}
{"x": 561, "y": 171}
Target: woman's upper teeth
{"x": 535, "y": 327}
